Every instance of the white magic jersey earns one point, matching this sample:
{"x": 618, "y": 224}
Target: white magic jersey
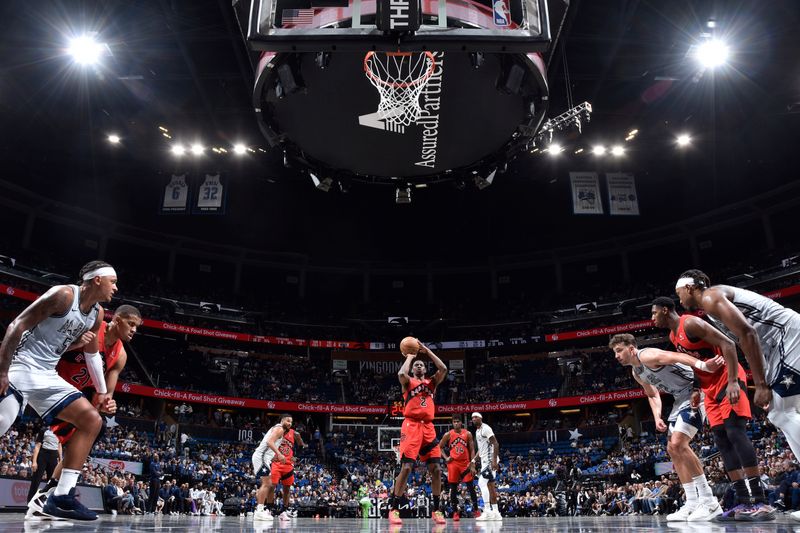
{"x": 485, "y": 448}
{"x": 264, "y": 453}
{"x": 777, "y": 327}
{"x": 677, "y": 380}
{"x": 41, "y": 347}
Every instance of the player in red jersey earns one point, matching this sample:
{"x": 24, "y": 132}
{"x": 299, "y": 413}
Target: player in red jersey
{"x": 727, "y": 407}
{"x": 72, "y": 368}
{"x": 417, "y": 434}
{"x": 460, "y": 463}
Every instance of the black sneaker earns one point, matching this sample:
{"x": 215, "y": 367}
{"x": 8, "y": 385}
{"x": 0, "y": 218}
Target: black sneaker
{"x": 67, "y": 507}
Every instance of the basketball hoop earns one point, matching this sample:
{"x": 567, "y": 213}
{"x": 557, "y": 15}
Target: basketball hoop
{"x": 400, "y": 78}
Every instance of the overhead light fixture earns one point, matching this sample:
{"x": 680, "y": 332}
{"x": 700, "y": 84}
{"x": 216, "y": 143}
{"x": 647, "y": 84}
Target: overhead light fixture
{"x": 323, "y": 184}
{"x": 711, "y": 24}
{"x": 482, "y": 182}
{"x": 712, "y": 53}
{"x": 617, "y": 151}
{"x": 162, "y": 128}
{"x": 178, "y": 149}
{"x": 85, "y": 50}
{"x": 632, "y": 133}
{"x": 683, "y": 140}
{"x": 599, "y": 150}
{"x": 579, "y": 151}
{"x": 402, "y": 195}
{"x": 554, "y": 149}
{"x": 197, "y": 149}
{"x": 113, "y": 139}
{"x": 239, "y": 149}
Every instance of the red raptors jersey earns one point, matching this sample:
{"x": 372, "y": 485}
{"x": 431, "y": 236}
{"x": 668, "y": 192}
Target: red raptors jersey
{"x": 459, "y": 447}
{"x": 286, "y": 446}
{"x": 72, "y": 366}
{"x": 419, "y": 400}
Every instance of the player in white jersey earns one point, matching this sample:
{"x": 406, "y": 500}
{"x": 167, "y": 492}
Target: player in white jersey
{"x": 31, "y": 348}
{"x": 272, "y": 463}
{"x": 769, "y": 336}
{"x": 488, "y": 453}
{"x": 671, "y": 372}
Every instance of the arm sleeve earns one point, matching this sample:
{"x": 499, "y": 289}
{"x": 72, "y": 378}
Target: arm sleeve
{"x": 94, "y": 364}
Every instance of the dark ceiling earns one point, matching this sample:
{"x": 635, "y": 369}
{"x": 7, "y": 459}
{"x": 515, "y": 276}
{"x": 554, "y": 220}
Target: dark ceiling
{"x": 181, "y": 64}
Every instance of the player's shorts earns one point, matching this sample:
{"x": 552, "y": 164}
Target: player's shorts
{"x": 719, "y": 409}
{"x": 787, "y": 380}
{"x": 44, "y": 390}
{"x": 458, "y": 471}
{"x": 418, "y": 440}
{"x": 688, "y": 421}
{"x": 282, "y": 473}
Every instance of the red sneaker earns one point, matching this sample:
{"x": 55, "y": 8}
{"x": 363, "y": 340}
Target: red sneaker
{"x": 476, "y": 514}
{"x": 394, "y": 517}
{"x": 456, "y": 517}
{"x": 438, "y": 517}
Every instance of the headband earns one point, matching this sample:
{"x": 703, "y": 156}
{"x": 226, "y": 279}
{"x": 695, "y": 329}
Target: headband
{"x": 685, "y": 282}
{"x": 102, "y": 271}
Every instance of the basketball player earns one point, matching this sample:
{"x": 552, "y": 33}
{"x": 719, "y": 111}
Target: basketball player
{"x": 769, "y": 336}
{"x": 123, "y": 326}
{"x": 36, "y": 339}
{"x": 460, "y": 463}
{"x": 657, "y": 370}
{"x": 727, "y": 407}
{"x": 417, "y": 434}
{"x": 489, "y": 453}
{"x": 276, "y": 453}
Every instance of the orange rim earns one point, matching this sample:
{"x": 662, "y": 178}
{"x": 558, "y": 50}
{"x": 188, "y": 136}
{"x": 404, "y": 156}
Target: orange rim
{"x": 399, "y": 85}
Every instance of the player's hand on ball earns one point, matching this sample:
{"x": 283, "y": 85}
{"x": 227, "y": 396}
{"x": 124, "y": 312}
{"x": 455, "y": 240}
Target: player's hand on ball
{"x": 661, "y": 426}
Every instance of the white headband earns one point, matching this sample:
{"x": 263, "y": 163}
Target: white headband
{"x": 102, "y": 271}
{"x": 684, "y": 282}
{"x": 477, "y": 414}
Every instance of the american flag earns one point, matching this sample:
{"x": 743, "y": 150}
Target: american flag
{"x": 297, "y": 17}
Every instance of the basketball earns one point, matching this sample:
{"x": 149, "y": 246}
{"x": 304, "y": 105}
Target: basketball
{"x": 409, "y": 345}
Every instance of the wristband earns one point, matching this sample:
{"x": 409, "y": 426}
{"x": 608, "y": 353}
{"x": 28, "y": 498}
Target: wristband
{"x": 701, "y": 365}
{"x": 94, "y": 364}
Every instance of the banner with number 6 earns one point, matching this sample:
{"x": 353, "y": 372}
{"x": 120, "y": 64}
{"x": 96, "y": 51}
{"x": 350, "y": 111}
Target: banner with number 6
{"x": 176, "y": 195}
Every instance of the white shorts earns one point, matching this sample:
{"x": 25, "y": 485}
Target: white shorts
{"x": 689, "y": 421}
{"x": 44, "y": 390}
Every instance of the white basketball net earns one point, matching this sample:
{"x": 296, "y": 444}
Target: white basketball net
{"x": 400, "y": 78}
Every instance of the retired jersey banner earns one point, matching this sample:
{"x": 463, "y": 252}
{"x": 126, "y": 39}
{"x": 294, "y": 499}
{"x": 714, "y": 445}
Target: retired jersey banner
{"x": 211, "y": 194}
{"x": 586, "y": 193}
{"x": 176, "y": 195}
{"x": 622, "y": 198}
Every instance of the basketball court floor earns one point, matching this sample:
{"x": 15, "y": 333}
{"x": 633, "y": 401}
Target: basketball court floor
{"x": 624, "y": 524}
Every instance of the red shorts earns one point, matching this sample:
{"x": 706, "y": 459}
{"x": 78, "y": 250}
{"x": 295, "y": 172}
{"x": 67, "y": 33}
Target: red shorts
{"x": 418, "y": 440}
{"x": 719, "y": 409}
{"x": 283, "y": 473}
{"x": 457, "y": 469}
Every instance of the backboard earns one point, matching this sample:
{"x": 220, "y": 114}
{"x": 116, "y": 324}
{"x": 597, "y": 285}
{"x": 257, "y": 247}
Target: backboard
{"x": 465, "y": 25}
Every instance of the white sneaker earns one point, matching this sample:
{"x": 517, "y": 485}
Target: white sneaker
{"x": 496, "y": 516}
{"x": 795, "y": 516}
{"x": 292, "y": 513}
{"x": 36, "y": 505}
{"x": 485, "y": 516}
{"x": 285, "y": 516}
{"x": 682, "y": 514}
{"x": 262, "y": 515}
{"x": 706, "y": 511}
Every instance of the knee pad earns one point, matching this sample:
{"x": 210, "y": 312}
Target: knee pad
{"x": 735, "y": 428}
{"x": 730, "y": 459}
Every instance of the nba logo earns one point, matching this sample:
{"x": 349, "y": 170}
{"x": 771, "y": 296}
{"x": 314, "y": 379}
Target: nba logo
{"x": 502, "y": 17}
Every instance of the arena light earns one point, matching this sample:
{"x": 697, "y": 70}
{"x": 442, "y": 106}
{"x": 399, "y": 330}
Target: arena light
{"x": 178, "y": 149}
{"x": 239, "y": 149}
{"x": 554, "y": 149}
{"x": 402, "y": 195}
{"x": 323, "y": 184}
{"x": 712, "y": 53}
{"x": 617, "y": 151}
{"x": 599, "y": 150}
{"x": 683, "y": 140}
{"x": 85, "y": 50}
{"x": 197, "y": 149}
{"x": 113, "y": 139}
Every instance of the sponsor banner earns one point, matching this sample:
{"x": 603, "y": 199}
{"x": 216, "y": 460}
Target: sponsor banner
{"x": 333, "y": 408}
{"x": 596, "y": 332}
{"x": 134, "y": 467}
{"x": 622, "y": 198}
{"x": 392, "y": 357}
{"x": 14, "y": 493}
{"x": 664, "y": 468}
{"x": 586, "y": 193}
{"x": 783, "y": 293}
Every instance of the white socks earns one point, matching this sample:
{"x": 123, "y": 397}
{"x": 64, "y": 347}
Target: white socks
{"x": 260, "y": 507}
{"x": 691, "y": 492}
{"x": 703, "y": 489}
{"x": 67, "y": 482}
